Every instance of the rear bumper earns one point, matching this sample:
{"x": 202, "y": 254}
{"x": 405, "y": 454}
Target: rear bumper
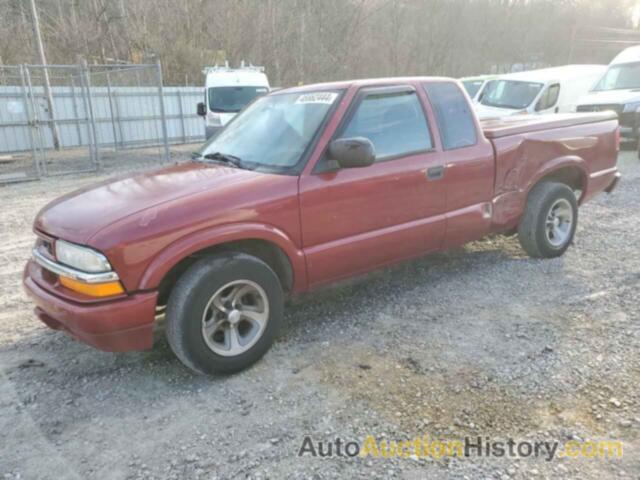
{"x": 120, "y": 325}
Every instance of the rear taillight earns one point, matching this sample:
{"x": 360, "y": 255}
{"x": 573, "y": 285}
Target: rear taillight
{"x": 618, "y": 139}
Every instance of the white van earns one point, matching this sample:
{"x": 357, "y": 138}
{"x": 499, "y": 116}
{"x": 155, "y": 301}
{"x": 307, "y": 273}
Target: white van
{"x": 619, "y": 90}
{"x": 227, "y": 91}
{"x": 548, "y": 90}
{"x": 475, "y": 85}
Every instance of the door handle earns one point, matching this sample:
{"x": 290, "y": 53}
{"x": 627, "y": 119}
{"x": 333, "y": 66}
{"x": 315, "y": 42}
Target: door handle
{"x": 435, "y": 173}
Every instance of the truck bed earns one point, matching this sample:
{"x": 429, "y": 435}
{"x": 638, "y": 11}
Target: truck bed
{"x": 581, "y": 148}
{"x": 519, "y": 124}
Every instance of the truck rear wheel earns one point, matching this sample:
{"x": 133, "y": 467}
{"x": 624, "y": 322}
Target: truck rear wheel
{"x": 549, "y": 221}
{"x": 224, "y": 312}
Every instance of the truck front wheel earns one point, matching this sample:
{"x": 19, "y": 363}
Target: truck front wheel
{"x": 224, "y": 312}
{"x": 549, "y": 221}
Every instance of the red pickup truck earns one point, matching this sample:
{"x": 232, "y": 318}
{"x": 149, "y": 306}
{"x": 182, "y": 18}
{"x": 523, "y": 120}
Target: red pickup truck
{"x": 306, "y": 186}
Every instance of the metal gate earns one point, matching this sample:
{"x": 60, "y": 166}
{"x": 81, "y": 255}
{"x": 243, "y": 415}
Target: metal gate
{"x": 80, "y": 119}
{"x": 17, "y": 127}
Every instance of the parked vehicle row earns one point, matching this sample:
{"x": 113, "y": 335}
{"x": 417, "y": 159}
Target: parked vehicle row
{"x": 548, "y": 90}
{"x": 619, "y": 90}
{"x": 305, "y": 187}
{"x": 570, "y": 88}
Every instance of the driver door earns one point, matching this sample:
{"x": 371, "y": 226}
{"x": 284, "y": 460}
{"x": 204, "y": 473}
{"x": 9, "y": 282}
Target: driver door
{"x": 357, "y": 219}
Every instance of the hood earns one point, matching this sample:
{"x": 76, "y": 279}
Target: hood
{"x": 609, "y": 97}
{"x": 79, "y": 215}
{"x": 485, "y": 112}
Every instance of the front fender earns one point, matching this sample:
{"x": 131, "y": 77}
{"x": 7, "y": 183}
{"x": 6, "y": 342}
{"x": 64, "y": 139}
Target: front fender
{"x": 206, "y": 238}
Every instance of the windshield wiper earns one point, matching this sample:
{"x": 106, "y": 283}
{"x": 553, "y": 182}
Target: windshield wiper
{"x": 226, "y": 158}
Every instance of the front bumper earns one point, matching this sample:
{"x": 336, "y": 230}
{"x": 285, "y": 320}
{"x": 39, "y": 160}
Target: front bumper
{"x": 118, "y": 325}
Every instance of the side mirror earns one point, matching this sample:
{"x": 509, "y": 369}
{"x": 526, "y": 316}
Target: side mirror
{"x": 352, "y": 152}
{"x": 202, "y": 109}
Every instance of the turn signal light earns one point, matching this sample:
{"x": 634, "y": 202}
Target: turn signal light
{"x": 92, "y": 289}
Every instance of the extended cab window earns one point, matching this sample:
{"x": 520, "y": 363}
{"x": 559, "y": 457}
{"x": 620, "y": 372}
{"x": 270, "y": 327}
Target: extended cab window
{"x": 455, "y": 119}
{"x": 394, "y": 122}
{"x": 549, "y": 98}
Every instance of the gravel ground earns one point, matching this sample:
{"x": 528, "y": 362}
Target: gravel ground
{"x": 477, "y": 341}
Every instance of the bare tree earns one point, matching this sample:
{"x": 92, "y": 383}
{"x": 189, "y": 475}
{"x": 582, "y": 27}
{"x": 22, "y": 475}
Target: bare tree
{"x": 303, "y": 41}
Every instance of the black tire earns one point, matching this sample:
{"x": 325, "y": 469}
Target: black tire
{"x": 532, "y": 229}
{"x": 190, "y": 297}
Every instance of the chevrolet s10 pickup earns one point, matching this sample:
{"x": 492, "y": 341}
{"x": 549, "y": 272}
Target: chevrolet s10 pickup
{"x": 306, "y": 186}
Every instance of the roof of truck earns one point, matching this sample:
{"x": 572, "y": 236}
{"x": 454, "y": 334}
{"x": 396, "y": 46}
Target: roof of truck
{"x": 364, "y": 82}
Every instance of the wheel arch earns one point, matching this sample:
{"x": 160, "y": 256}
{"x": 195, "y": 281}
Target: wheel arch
{"x": 267, "y": 243}
{"x": 571, "y": 171}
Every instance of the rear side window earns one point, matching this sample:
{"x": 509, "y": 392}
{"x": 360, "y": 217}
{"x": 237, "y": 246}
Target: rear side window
{"x": 394, "y": 122}
{"x": 456, "y": 122}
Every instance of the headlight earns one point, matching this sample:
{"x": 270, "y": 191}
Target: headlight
{"x": 215, "y": 120}
{"x": 631, "y": 107}
{"x": 82, "y": 258}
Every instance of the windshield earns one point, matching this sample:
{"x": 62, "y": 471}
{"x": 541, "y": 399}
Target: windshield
{"x": 232, "y": 99}
{"x": 618, "y": 77}
{"x": 472, "y": 86}
{"x": 273, "y": 133}
{"x": 510, "y": 94}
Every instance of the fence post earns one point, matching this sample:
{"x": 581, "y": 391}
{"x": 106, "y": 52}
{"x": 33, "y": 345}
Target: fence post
{"x": 117, "y": 113}
{"x": 181, "y": 113}
{"x": 36, "y": 121}
{"x": 87, "y": 82}
{"x": 111, "y": 111}
{"x": 76, "y": 114}
{"x": 163, "y": 117}
{"x": 85, "y": 111}
{"x": 30, "y": 121}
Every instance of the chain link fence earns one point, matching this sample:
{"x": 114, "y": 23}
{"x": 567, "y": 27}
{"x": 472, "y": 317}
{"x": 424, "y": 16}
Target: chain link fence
{"x": 91, "y": 117}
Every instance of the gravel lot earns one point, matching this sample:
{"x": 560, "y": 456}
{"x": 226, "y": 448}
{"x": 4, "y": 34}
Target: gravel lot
{"x": 477, "y": 341}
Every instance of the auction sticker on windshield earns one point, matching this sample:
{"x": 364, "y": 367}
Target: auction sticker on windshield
{"x": 317, "y": 97}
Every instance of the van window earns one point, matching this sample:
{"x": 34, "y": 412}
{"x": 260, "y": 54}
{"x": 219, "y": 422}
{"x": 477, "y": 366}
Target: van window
{"x": 618, "y": 77}
{"x": 513, "y": 94}
{"x": 549, "y": 98}
{"x": 232, "y": 99}
{"x": 394, "y": 122}
{"x": 455, "y": 120}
